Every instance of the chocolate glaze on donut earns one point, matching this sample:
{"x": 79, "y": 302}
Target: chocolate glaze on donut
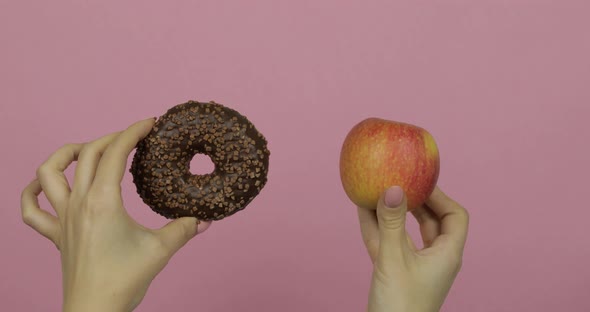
{"x": 161, "y": 163}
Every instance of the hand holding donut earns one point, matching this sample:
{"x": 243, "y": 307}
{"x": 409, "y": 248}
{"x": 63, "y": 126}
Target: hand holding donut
{"x": 108, "y": 259}
{"x": 406, "y": 278}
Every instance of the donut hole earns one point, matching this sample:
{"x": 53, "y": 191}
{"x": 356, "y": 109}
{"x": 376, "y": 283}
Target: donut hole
{"x": 201, "y": 164}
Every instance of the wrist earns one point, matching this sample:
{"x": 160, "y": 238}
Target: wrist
{"x": 91, "y": 306}
{"x": 88, "y": 296}
{"x": 386, "y": 299}
{"x": 93, "y": 302}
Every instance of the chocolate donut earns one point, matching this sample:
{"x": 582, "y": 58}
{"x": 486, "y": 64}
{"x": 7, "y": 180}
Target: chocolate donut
{"x": 161, "y": 165}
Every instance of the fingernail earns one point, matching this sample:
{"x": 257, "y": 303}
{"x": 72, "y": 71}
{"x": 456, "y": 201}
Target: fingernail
{"x": 394, "y": 196}
{"x": 202, "y": 226}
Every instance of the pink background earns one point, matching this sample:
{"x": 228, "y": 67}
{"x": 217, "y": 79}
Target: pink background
{"x": 502, "y": 86}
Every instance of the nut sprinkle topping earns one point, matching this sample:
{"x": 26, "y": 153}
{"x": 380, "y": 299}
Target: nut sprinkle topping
{"x": 160, "y": 167}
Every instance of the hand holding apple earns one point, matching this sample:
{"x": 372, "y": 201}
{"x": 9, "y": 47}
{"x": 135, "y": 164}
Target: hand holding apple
{"x": 379, "y": 153}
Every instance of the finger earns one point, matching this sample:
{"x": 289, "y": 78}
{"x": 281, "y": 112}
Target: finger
{"x": 453, "y": 217}
{"x": 88, "y": 162}
{"x": 411, "y": 243}
{"x": 369, "y": 231}
{"x": 429, "y": 224}
{"x": 391, "y": 215}
{"x": 178, "y": 232}
{"x": 40, "y": 220}
{"x": 111, "y": 167}
{"x": 51, "y": 174}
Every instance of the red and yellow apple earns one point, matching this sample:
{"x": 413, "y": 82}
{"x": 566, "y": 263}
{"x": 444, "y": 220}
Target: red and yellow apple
{"x": 379, "y": 153}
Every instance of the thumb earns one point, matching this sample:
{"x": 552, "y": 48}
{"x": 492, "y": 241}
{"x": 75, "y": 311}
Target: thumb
{"x": 178, "y": 232}
{"x": 391, "y": 215}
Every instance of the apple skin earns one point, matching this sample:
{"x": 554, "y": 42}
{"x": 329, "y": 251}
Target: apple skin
{"x": 379, "y": 153}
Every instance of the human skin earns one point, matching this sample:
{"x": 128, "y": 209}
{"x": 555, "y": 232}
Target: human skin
{"x": 404, "y": 277}
{"x": 108, "y": 259}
